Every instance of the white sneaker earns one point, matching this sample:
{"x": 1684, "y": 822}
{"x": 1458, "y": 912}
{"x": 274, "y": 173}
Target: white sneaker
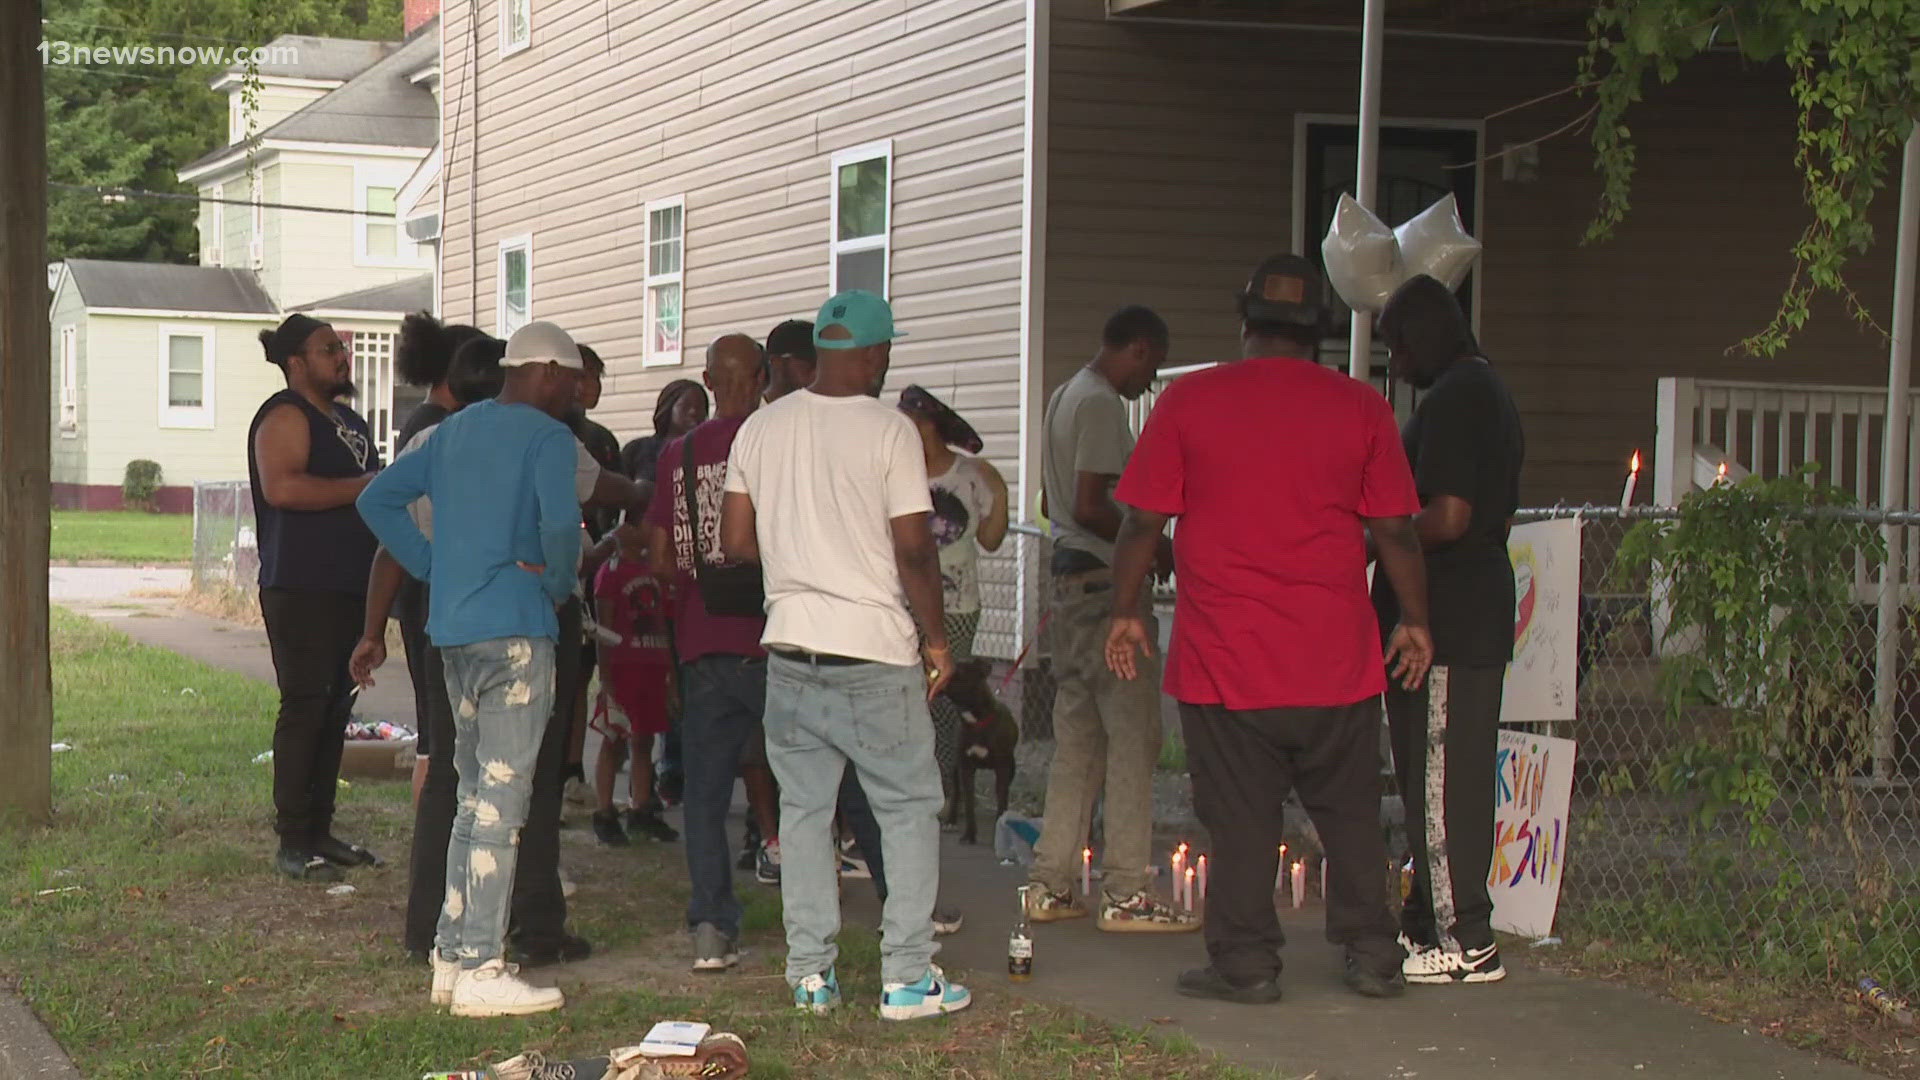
{"x": 1441, "y": 967}
{"x": 445, "y": 974}
{"x": 496, "y": 989}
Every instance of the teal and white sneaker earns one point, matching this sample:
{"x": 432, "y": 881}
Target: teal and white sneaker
{"x": 933, "y": 995}
{"x": 818, "y": 994}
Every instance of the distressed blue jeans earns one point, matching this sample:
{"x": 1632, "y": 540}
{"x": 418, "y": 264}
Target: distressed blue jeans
{"x": 821, "y": 720}
{"x": 502, "y": 696}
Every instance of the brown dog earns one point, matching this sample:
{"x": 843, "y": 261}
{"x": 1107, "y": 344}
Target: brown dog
{"x": 988, "y": 736}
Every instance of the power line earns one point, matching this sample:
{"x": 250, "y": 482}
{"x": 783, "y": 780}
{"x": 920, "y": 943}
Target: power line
{"x": 175, "y": 196}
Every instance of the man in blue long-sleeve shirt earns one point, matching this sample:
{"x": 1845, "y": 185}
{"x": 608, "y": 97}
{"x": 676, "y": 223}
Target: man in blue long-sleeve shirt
{"x": 500, "y": 475}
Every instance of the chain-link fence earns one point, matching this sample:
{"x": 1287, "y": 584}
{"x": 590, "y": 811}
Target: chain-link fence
{"x": 226, "y": 557}
{"x": 1743, "y": 793}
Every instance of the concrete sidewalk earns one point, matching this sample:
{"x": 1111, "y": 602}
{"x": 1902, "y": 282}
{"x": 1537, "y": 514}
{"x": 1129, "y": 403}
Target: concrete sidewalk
{"x": 133, "y": 601}
{"x": 1535, "y": 1024}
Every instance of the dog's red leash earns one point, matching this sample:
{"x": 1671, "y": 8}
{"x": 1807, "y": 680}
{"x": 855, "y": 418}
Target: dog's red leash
{"x": 1038, "y": 629}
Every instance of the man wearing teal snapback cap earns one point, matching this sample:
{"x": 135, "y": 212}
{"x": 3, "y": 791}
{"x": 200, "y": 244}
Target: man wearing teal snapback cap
{"x": 827, "y": 489}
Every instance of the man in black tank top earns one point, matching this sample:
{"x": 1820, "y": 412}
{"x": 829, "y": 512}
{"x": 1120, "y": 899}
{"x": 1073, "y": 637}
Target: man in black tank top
{"x": 308, "y": 458}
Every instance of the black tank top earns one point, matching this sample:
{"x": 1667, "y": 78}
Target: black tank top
{"x": 330, "y": 550}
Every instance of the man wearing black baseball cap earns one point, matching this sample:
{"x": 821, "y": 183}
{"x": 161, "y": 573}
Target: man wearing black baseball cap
{"x": 791, "y": 358}
{"x": 308, "y": 458}
{"x": 1273, "y": 465}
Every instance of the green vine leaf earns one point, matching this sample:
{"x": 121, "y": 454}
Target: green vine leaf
{"x": 1855, "y": 68}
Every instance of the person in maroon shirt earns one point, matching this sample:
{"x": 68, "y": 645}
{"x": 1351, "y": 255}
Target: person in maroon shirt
{"x": 1277, "y": 469}
{"x": 723, "y": 668}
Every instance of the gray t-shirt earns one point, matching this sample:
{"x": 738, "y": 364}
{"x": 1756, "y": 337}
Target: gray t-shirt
{"x": 1086, "y": 431}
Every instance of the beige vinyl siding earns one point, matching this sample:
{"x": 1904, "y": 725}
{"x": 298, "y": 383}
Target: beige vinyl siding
{"x": 122, "y": 400}
{"x": 236, "y": 220}
{"x": 739, "y": 106}
{"x": 69, "y": 450}
{"x": 312, "y": 256}
{"x": 1171, "y": 174}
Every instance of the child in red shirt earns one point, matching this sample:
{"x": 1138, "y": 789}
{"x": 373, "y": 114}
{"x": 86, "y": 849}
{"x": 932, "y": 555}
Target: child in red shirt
{"x": 636, "y": 678}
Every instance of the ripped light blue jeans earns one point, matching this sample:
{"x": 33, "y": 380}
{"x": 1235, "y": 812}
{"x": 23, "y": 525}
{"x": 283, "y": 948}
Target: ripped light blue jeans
{"x": 502, "y": 696}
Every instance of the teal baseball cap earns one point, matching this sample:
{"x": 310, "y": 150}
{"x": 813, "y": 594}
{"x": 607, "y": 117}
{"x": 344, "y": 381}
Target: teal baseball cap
{"x": 867, "y": 319}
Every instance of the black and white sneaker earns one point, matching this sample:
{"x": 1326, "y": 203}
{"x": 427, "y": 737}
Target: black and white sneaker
{"x": 1442, "y": 966}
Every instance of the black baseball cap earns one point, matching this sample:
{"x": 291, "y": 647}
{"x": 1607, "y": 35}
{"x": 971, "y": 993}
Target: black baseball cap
{"x": 792, "y": 338}
{"x": 1285, "y": 289}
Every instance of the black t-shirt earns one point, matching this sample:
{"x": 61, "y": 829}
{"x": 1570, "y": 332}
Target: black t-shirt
{"x": 327, "y": 550}
{"x": 1465, "y": 440}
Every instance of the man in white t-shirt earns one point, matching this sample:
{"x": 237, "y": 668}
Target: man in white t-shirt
{"x": 827, "y": 489}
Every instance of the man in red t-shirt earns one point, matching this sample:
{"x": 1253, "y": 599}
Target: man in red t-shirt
{"x": 1277, "y": 468}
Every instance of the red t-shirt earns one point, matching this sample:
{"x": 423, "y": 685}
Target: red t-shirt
{"x": 1270, "y": 465}
{"x": 696, "y": 632}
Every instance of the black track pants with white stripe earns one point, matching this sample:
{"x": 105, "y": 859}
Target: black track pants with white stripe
{"x": 1444, "y": 739}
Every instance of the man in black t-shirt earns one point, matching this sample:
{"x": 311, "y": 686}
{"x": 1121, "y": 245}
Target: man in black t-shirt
{"x": 1466, "y": 447}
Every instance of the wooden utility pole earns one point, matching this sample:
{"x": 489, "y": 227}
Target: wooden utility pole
{"x": 26, "y": 405}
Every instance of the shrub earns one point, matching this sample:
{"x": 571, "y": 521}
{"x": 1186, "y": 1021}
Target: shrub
{"x": 142, "y": 483}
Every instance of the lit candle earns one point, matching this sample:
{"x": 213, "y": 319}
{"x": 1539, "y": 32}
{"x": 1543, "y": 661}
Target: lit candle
{"x": 1299, "y": 882}
{"x": 1280, "y": 872}
{"x": 1086, "y": 871}
{"x": 1189, "y": 887}
{"x": 1633, "y": 481}
{"x": 1720, "y": 477}
{"x": 1203, "y": 879}
{"x": 1179, "y": 864}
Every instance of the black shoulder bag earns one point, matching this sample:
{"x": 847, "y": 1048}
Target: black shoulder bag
{"x": 735, "y": 590}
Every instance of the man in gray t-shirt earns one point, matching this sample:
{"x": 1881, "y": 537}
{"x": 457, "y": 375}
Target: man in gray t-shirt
{"x": 1103, "y": 726}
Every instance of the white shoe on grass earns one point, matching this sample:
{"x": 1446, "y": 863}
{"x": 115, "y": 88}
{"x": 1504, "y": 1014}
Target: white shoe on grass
{"x": 445, "y": 974}
{"x": 496, "y": 989}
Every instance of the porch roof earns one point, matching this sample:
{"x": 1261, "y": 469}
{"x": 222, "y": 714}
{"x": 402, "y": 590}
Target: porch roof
{"x": 1531, "y": 18}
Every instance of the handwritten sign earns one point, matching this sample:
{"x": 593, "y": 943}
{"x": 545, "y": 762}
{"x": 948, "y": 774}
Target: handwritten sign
{"x": 1533, "y": 785}
{"x": 1546, "y": 623}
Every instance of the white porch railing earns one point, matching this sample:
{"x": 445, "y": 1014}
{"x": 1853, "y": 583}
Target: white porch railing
{"x": 1776, "y": 429}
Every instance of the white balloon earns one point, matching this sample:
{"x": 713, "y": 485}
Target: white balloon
{"x": 1434, "y": 243}
{"x": 1362, "y": 257}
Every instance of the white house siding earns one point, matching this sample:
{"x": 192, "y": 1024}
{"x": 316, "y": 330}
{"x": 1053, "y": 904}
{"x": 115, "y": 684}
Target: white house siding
{"x": 739, "y": 106}
{"x": 69, "y": 448}
{"x": 121, "y": 373}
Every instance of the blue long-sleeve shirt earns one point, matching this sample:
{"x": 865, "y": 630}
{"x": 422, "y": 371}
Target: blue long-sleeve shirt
{"x": 501, "y": 481}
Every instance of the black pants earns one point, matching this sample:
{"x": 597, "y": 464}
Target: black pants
{"x": 539, "y": 915}
{"x": 410, "y": 609}
{"x": 312, "y": 634}
{"x": 1445, "y": 736}
{"x": 1243, "y": 765}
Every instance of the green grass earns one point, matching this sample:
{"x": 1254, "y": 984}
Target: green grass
{"x": 127, "y": 536}
{"x": 177, "y": 952}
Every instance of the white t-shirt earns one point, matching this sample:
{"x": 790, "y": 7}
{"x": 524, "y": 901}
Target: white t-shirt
{"x": 962, "y": 499}
{"x": 827, "y": 476}
{"x": 586, "y": 473}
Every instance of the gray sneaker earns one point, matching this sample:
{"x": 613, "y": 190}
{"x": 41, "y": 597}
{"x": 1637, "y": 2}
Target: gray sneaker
{"x": 713, "y": 950}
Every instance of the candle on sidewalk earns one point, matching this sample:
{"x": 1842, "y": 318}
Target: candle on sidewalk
{"x": 1633, "y": 481}
{"x": 1203, "y": 879}
{"x": 1299, "y": 882}
{"x": 1086, "y": 871}
{"x": 1280, "y": 873}
{"x": 1189, "y": 888}
{"x": 1179, "y": 865}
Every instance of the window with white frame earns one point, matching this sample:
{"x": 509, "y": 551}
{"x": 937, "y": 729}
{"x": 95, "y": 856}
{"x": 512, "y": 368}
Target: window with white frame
{"x": 216, "y": 238}
{"x": 69, "y": 379}
{"x": 862, "y": 219}
{"x": 516, "y": 25}
{"x": 513, "y": 293}
{"x": 666, "y": 292}
{"x": 186, "y": 377}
